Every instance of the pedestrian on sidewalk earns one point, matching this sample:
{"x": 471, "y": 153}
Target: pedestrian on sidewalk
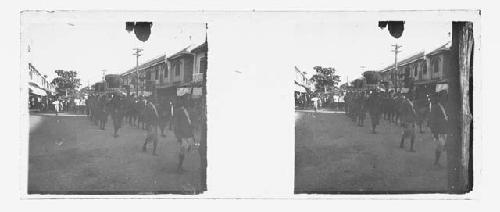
{"x": 56, "y": 106}
{"x": 315, "y": 103}
{"x": 408, "y": 118}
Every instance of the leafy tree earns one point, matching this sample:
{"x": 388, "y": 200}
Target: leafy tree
{"x": 325, "y": 77}
{"x": 66, "y": 80}
{"x": 372, "y": 77}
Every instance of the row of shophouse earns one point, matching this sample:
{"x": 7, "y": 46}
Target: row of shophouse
{"x": 38, "y": 83}
{"x": 169, "y": 75}
{"x": 302, "y": 83}
{"x": 421, "y": 73}
{"x": 40, "y": 88}
{"x": 303, "y": 87}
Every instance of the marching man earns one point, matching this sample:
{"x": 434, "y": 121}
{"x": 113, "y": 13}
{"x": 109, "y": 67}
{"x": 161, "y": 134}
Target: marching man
{"x": 151, "y": 118}
{"x": 183, "y": 131}
{"x": 438, "y": 124}
{"x": 408, "y": 118}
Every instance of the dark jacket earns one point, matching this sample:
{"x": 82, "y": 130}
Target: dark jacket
{"x": 408, "y": 114}
{"x": 438, "y": 120}
{"x": 182, "y": 125}
{"x": 151, "y": 114}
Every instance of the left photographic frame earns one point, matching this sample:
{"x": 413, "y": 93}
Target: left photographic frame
{"x": 114, "y": 107}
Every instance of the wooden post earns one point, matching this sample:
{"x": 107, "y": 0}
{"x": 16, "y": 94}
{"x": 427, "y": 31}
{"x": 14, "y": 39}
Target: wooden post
{"x": 202, "y": 150}
{"x": 458, "y": 142}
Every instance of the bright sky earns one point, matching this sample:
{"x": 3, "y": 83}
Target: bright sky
{"x": 89, "y": 47}
{"x": 347, "y": 46}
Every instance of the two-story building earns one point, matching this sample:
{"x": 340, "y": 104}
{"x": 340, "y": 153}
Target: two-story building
{"x": 402, "y": 78}
{"x": 185, "y": 72}
{"x": 301, "y": 82}
{"x": 302, "y": 87}
{"x": 39, "y": 88}
{"x": 150, "y": 74}
{"x": 168, "y": 76}
{"x": 38, "y": 83}
{"x": 421, "y": 73}
{"x": 433, "y": 73}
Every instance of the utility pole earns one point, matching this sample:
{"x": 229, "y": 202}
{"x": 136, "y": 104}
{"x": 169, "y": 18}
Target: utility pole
{"x": 137, "y": 53}
{"x": 104, "y": 79}
{"x": 396, "y": 51}
{"x": 103, "y": 75}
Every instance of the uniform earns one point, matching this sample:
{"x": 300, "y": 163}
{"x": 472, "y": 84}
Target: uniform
{"x": 165, "y": 113}
{"x": 361, "y": 109}
{"x": 102, "y": 111}
{"x": 408, "y": 118}
{"x": 374, "y": 104}
{"x": 117, "y": 112}
{"x": 184, "y": 132}
{"x": 438, "y": 123}
{"x": 151, "y": 118}
{"x": 140, "y": 107}
{"x": 422, "y": 109}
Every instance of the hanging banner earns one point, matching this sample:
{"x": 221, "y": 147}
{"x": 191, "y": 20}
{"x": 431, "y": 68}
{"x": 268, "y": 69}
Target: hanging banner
{"x": 146, "y": 93}
{"x": 183, "y": 91}
{"x": 441, "y": 87}
{"x": 197, "y": 91}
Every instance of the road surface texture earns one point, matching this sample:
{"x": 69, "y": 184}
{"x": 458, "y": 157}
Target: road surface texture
{"x": 69, "y": 154}
{"x": 334, "y": 155}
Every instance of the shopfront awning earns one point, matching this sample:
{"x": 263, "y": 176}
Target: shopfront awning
{"x": 36, "y": 91}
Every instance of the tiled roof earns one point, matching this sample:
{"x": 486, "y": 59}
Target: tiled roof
{"x": 445, "y": 47}
{"x": 187, "y": 50}
{"x": 420, "y": 55}
{"x": 153, "y": 61}
{"x": 200, "y": 48}
{"x": 412, "y": 58}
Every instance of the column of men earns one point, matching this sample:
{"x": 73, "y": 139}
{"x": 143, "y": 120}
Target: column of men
{"x": 404, "y": 111}
{"x": 147, "y": 114}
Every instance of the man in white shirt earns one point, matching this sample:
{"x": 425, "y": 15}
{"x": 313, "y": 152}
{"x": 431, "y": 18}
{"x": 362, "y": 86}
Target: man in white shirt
{"x": 56, "y": 106}
{"x": 315, "y": 103}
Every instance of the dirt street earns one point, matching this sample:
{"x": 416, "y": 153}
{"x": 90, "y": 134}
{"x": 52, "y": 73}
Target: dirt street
{"x": 334, "y": 155}
{"x": 68, "y": 154}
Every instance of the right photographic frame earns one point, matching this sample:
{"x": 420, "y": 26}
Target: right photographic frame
{"x": 384, "y": 106}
